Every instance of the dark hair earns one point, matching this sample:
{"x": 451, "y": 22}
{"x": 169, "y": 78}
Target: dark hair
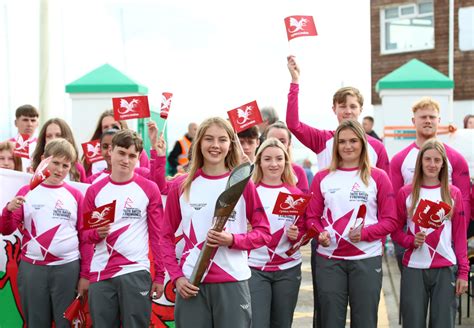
{"x": 26, "y": 110}
{"x": 66, "y": 133}
{"x": 466, "y": 119}
{"x": 126, "y": 139}
{"x": 269, "y": 114}
{"x": 109, "y": 132}
{"x": 251, "y": 133}
{"x": 369, "y": 118}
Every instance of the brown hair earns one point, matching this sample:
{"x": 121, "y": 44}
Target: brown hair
{"x": 232, "y": 158}
{"x": 341, "y": 95}
{"x": 9, "y": 146}
{"x": 287, "y": 176}
{"x": 364, "y": 162}
{"x": 443, "y": 175}
{"x": 126, "y": 139}
{"x": 66, "y": 133}
{"x": 425, "y": 102}
{"x": 250, "y": 133}
{"x": 283, "y": 126}
{"x": 466, "y": 119}
{"x": 26, "y": 110}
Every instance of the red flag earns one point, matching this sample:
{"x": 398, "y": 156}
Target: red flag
{"x": 76, "y": 314}
{"x": 126, "y": 108}
{"x": 297, "y": 26}
{"x": 245, "y": 116}
{"x": 41, "y": 173}
{"x": 290, "y": 204}
{"x": 165, "y": 104}
{"x": 22, "y": 146}
{"x": 360, "y": 219}
{"x": 100, "y": 217}
{"x": 429, "y": 214}
{"x": 311, "y": 233}
{"x": 92, "y": 151}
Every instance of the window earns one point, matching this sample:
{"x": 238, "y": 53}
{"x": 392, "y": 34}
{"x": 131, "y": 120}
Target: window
{"x": 466, "y": 28}
{"x": 408, "y": 27}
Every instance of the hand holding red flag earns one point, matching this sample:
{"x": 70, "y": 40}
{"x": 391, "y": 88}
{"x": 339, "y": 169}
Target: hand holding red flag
{"x": 359, "y": 221}
{"x": 297, "y": 26}
{"x": 165, "y": 104}
{"x": 126, "y": 108}
{"x": 22, "y": 146}
{"x": 76, "y": 313}
{"x": 99, "y": 217}
{"x": 245, "y": 116}
{"x": 429, "y": 214}
{"x": 311, "y": 233}
{"x": 92, "y": 151}
{"x": 41, "y": 173}
{"x": 290, "y": 204}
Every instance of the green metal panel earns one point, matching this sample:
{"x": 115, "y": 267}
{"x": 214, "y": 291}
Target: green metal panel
{"x": 414, "y": 75}
{"x": 142, "y": 130}
{"x": 105, "y": 79}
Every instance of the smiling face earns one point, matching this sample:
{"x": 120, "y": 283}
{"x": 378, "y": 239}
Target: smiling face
{"x": 349, "y": 148}
{"x": 348, "y": 110}
{"x": 215, "y": 145}
{"x": 432, "y": 163}
{"x": 59, "y": 168}
{"x": 272, "y": 163}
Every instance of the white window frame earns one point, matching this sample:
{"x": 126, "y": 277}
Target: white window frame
{"x": 383, "y": 20}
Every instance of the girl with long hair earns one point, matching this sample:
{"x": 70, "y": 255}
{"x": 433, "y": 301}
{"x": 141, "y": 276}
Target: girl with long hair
{"x": 353, "y": 207}
{"x": 276, "y": 277}
{"x": 105, "y": 122}
{"x": 52, "y": 129}
{"x": 429, "y": 276}
{"x": 7, "y": 159}
{"x": 280, "y": 131}
{"x": 223, "y": 297}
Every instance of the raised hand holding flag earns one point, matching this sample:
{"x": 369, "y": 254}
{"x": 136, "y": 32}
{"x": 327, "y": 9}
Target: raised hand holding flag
{"x": 245, "y": 116}
{"x": 41, "y": 173}
{"x": 92, "y": 151}
{"x": 165, "y": 108}
{"x": 126, "y": 108}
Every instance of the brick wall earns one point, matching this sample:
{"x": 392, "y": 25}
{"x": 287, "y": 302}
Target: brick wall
{"x": 436, "y": 58}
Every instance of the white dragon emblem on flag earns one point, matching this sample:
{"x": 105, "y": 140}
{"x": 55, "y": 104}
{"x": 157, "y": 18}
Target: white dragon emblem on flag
{"x": 127, "y": 107}
{"x": 298, "y": 25}
{"x": 243, "y": 115}
{"x": 291, "y": 203}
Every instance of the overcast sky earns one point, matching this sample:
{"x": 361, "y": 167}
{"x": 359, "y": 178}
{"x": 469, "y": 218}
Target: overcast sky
{"x": 213, "y": 55}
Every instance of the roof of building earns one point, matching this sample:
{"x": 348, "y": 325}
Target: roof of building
{"x": 415, "y": 74}
{"x": 105, "y": 79}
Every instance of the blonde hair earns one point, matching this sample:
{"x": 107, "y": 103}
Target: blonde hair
{"x": 364, "y": 162}
{"x": 60, "y": 148}
{"x": 280, "y": 125}
{"x": 424, "y": 103}
{"x": 443, "y": 175}
{"x": 232, "y": 158}
{"x": 9, "y": 146}
{"x": 341, "y": 95}
{"x": 287, "y": 176}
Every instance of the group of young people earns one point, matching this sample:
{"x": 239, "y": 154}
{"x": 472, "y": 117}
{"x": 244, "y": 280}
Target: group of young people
{"x": 251, "y": 281}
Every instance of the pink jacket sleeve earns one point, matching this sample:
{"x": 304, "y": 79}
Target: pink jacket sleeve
{"x": 315, "y": 209}
{"x": 169, "y": 225}
{"x": 260, "y": 234}
{"x": 396, "y": 171}
{"x": 382, "y": 158}
{"x": 154, "y": 217}
{"x": 301, "y": 223}
{"x": 311, "y": 137}
{"x": 399, "y": 236}
{"x": 144, "y": 161}
{"x": 302, "y": 183}
{"x": 10, "y": 221}
{"x": 461, "y": 179}
{"x": 158, "y": 171}
{"x": 459, "y": 234}
{"x": 82, "y": 172}
{"x": 386, "y": 210}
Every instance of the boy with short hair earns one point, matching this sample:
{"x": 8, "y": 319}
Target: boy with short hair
{"x": 26, "y": 122}
{"x": 121, "y": 286}
{"x": 249, "y": 140}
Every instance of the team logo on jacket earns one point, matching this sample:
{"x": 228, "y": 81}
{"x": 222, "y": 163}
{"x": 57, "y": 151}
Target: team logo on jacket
{"x": 130, "y": 212}
{"x": 357, "y": 195}
{"x": 61, "y": 213}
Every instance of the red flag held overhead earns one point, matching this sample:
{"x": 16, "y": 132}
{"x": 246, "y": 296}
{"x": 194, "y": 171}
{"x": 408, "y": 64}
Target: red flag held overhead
{"x": 126, "y": 108}
{"x": 92, "y": 151}
{"x": 41, "y": 173}
{"x": 297, "y": 26}
{"x": 165, "y": 104}
{"x": 245, "y": 116}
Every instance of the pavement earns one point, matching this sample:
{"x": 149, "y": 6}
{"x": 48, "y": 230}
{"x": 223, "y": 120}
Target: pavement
{"x": 389, "y": 297}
